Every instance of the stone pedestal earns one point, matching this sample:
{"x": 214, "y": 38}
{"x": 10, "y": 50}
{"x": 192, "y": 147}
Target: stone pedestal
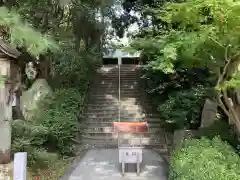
{"x": 5, "y": 142}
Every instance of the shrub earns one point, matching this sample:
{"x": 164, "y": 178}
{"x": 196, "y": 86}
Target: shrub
{"x": 223, "y": 130}
{"x": 30, "y": 138}
{"x": 59, "y": 114}
{"x": 184, "y": 107}
{"x": 53, "y": 131}
{"x": 204, "y": 159}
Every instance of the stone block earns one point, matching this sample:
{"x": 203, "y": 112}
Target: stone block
{"x": 209, "y": 113}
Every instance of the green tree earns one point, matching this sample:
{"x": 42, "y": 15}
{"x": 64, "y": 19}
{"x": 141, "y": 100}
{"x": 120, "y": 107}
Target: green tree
{"x": 21, "y": 34}
{"x": 200, "y": 34}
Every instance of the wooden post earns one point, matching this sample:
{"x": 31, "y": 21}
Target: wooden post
{"x": 5, "y": 115}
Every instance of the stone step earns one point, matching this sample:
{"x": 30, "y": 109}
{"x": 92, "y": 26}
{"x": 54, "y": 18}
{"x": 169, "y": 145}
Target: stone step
{"x": 115, "y": 80}
{"x": 110, "y": 96}
{"x": 115, "y": 109}
{"x": 131, "y": 92}
{"x": 113, "y": 143}
{"x": 107, "y": 125}
{"x": 123, "y": 105}
{"x": 128, "y": 87}
{"x": 123, "y": 112}
{"x": 123, "y": 66}
{"x": 112, "y": 111}
{"x": 128, "y": 75}
{"x": 139, "y": 96}
{"x": 146, "y": 138}
{"x": 125, "y": 99}
{"x": 109, "y": 131}
{"x": 102, "y": 115}
{"x": 122, "y": 119}
{"x": 112, "y": 91}
{"x": 130, "y": 66}
{"x": 124, "y": 102}
{"x": 130, "y": 108}
{"x": 161, "y": 148}
{"x": 116, "y": 86}
{"x": 115, "y": 102}
{"x": 157, "y": 123}
{"x": 116, "y": 68}
{"x": 116, "y": 105}
{"x": 110, "y": 104}
{"x": 116, "y": 72}
{"x": 112, "y": 119}
{"x": 153, "y": 120}
{"x": 115, "y": 76}
{"x": 129, "y": 69}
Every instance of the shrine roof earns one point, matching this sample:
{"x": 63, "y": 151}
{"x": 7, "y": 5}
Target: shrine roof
{"x": 9, "y": 50}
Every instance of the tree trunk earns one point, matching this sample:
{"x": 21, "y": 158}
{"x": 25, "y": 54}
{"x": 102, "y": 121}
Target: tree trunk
{"x": 230, "y": 109}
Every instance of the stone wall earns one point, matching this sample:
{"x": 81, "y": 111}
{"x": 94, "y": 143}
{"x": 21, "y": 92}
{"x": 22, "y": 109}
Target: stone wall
{"x": 180, "y": 135}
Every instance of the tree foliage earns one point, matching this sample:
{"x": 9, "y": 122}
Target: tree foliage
{"x": 76, "y": 30}
{"x": 21, "y": 34}
{"x": 199, "y": 34}
{"x": 183, "y": 108}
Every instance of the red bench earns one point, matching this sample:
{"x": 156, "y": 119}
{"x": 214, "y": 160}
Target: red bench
{"x": 131, "y": 127}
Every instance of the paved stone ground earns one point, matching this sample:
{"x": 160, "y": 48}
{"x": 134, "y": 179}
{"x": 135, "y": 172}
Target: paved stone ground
{"x": 102, "y": 164}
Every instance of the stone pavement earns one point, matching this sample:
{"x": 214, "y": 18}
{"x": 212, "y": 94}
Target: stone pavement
{"x": 102, "y": 164}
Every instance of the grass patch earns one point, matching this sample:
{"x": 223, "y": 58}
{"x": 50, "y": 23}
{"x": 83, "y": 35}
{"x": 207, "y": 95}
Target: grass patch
{"x": 52, "y": 172}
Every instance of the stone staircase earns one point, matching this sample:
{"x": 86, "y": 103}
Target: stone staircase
{"x": 103, "y": 109}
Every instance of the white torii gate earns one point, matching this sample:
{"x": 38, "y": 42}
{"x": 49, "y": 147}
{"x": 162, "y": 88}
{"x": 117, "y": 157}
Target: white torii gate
{"x": 120, "y": 54}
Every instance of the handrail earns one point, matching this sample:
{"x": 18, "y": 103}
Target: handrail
{"x": 119, "y": 93}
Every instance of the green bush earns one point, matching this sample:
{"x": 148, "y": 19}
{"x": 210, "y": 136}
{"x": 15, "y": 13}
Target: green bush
{"x": 52, "y": 132}
{"x": 204, "y": 159}
{"x": 223, "y": 130}
{"x": 184, "y": 107}
{"x": 30, "y": 138}
{"x": 59, "y": 114}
